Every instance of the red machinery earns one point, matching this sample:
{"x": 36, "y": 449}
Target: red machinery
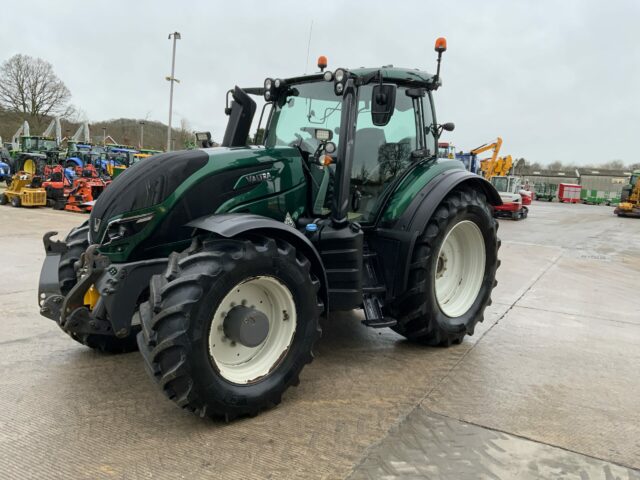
{"x": 85, "y": 190}
{"x": 569, "y": 192}
{"x": 57, "y": 186}
{"x": 515, "y": 199}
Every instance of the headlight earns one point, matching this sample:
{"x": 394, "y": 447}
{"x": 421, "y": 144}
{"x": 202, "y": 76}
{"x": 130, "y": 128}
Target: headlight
{"x": 277, "y": 82}
{"x": 267, "y": 95}
{"x": 125, "y": 227}
{"x": 339, "y": 88}
{"x": 339, "y": 75}
{"x": 328, "y": 76}
{"x": 267, "y": 84}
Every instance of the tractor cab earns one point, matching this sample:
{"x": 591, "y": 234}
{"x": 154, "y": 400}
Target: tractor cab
{"x": 358, "y": 132}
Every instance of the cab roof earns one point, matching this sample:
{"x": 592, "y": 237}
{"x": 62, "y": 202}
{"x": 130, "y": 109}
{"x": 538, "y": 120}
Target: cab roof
{"x": 399, "y": 75}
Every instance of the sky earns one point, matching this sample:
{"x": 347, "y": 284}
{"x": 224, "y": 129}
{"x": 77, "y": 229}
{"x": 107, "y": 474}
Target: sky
{"x": 557, "y": 80}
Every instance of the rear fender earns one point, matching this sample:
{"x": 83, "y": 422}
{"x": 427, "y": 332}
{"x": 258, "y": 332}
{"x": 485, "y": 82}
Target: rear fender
{"x": 233, "y": 225}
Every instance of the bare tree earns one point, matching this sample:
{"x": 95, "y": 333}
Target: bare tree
{"x": 28, "y": 85}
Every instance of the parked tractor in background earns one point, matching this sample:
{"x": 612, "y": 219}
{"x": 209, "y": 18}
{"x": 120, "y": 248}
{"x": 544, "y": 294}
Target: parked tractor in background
{"x": 218, "y": 262}
{"x": 629, "y": 205}
{"x": 6, "y": 162}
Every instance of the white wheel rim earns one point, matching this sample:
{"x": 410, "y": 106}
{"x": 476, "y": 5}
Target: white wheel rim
{"x": 460, "y": 269}
{"x": 238, "y": 363}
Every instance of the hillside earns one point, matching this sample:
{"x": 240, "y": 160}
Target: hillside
{"x": 123, "y": 130}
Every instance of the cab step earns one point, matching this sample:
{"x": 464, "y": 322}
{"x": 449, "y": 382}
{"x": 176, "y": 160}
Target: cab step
{"x": 374, "y": 317}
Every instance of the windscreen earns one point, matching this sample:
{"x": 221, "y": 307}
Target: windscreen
{"x": 309, "y": 106}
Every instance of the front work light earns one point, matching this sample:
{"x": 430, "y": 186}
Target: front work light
{"x": 340, "y": 78}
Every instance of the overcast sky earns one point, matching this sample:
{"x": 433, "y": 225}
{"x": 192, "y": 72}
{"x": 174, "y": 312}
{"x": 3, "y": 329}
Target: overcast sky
{"x": 558, "y": 80}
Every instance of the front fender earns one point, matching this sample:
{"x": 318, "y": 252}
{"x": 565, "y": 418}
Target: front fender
{"x": 235, "y": 224}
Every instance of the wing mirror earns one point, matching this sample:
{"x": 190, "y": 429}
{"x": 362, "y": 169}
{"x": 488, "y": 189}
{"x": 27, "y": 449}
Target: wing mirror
{"x": 438, "y": 129}
{"x": 383, "y": 102}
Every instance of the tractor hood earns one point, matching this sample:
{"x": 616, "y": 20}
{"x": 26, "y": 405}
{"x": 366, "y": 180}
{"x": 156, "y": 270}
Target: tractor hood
{"x": 143, "y": 185}
{"x": 167, "y": 191}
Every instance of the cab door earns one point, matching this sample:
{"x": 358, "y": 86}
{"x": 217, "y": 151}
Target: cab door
{"x": 382, "y": 153}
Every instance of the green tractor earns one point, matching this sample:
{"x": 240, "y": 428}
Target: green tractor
{"x": 217, "y": 263}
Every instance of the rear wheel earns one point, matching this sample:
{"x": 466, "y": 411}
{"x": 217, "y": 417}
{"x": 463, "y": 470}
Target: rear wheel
{"x": 77, "y": 242}
{"x": 452, "y": 272}
{"x": 230, "y": 325}
{"x": 4, "y": 199}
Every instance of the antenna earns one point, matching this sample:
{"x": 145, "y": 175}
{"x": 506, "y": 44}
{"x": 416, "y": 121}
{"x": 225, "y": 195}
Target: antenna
{"x": 306, "y": 65}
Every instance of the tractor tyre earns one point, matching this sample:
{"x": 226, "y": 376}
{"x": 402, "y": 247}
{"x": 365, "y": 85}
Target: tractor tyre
{"x": 4, "y": 199}
{"x": 453, "y": 270}
{"x": 77, "y": 242}
{"x": 15, "y": 201}
{"x": 230, "y": 325}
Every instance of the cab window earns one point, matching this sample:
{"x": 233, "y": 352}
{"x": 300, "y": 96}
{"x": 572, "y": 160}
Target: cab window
{"x": 381, "y": 152}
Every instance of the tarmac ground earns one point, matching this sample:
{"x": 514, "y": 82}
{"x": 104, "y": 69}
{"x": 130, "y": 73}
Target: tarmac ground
{"x": 548, "y": 387}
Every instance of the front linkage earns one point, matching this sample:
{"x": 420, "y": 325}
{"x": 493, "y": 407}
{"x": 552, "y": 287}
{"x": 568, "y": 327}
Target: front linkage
{"x": 106, "y": 311}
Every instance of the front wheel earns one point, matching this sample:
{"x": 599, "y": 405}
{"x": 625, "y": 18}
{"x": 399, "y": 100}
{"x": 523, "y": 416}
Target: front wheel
{"x": 15, "y": 201}
{"x": 452, "y": 274}
{"x": 230, "y": 325}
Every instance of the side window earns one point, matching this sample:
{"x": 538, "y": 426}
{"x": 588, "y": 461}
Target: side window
{"x": 380, "y": 153}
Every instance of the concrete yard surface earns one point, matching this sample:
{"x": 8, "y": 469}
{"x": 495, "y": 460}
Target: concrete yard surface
{"x": 548, "y": 387}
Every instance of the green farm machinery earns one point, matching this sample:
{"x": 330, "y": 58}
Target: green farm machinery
{"x": 216, "y": 263}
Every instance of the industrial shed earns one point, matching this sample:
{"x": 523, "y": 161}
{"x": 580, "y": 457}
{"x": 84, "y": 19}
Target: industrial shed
{"x": 602, "y": 185}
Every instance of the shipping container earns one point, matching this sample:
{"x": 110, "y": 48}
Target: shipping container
{"x": 569, "y": 193}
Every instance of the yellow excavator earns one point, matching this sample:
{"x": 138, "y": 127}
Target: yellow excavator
{"x": 629, "y": 205}
{"x": 495, "y": 165}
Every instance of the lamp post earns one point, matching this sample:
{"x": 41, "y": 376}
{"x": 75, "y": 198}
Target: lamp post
{"x": 172, "y": 79}
{"x": 142, "y": 123}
